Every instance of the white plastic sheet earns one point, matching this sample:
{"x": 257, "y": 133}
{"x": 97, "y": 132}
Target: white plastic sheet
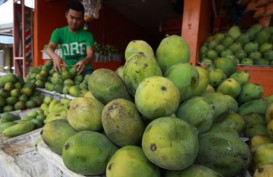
{"x": 19, "y": 157}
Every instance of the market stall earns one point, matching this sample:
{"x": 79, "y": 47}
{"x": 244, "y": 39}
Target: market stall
{"x": 187, "y": 105}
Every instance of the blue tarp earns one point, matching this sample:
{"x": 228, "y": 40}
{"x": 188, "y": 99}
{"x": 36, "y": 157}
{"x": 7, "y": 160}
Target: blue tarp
{"x": 6, "y": 39}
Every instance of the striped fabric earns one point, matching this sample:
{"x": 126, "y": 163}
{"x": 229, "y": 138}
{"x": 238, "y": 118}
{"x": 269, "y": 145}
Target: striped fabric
{"x": 28, "y": 44}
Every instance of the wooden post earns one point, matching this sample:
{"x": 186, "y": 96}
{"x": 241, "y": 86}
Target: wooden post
{"x": 36, "y": 55}
{"x": 19, "y": 38}
{"x": 196, "y": 25}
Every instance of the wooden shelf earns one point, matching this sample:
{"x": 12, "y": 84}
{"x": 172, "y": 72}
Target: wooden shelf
{"x": 260, "y": 75}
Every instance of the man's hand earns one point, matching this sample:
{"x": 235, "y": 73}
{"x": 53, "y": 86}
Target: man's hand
{"x": 57, "y": 64}
{"x": 81, "y": 65}
{"x": 57, "y": 60}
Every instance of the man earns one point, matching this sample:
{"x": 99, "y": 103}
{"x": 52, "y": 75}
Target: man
{"x": 76, "y": 43}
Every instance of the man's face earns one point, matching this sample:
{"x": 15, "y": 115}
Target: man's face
{"x": 74, "y": 20}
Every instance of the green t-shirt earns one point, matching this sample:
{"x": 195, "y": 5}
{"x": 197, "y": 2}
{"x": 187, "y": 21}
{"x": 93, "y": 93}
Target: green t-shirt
{"x": 73, "y": 44}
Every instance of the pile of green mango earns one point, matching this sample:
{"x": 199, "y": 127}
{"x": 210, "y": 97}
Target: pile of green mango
{"x": 67, "y": 81}
{"x": 252, "y": 46}
{"x": 12, "y": 125}
{"x": 162, "y": 116}
{"x": 16, "y": 94}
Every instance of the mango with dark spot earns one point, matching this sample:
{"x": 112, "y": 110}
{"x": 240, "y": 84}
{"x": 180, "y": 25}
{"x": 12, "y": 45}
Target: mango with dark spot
{"x": 262, "y": 155}
{"x": 122, "y": 122}
{"x": 221, "y": 102}
{"x": 84, "y": 113}
{"x": 157, "y": 96}
{"x": 264, "y": 171}
{"x": 229, "y": 87}
{"x": 170, "y": 143}
{"x": 130, "y": 161}
{"x": 138, "y": 67}
{"x": 88, "y": 152}
{"x": 136, "y": 46}
{"x": 55, "y": 133}
{"x": 216, "y": 77}
{"x": 203, "y": 81}
{"x": 185, "y": 77}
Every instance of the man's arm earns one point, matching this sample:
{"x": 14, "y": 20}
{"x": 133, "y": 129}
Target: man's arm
{"x": 57, "y": 60}
{"x": 81, "y": 65}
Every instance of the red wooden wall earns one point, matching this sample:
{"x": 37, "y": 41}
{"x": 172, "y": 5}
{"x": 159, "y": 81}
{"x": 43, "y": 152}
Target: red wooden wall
{"x": 111, "y": 28}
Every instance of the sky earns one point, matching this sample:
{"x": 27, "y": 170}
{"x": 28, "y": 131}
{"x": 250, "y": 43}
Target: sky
{"x": 6, "y": 10}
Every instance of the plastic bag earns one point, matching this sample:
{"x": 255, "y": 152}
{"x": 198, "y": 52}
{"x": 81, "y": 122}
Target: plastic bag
{"x": 91, "y": 8}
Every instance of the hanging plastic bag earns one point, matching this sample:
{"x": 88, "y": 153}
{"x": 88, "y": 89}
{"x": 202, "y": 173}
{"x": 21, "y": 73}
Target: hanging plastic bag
{"x": 91, "y": 8}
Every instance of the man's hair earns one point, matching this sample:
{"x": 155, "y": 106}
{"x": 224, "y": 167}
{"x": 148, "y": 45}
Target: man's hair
{"x": 75, "y": 5}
